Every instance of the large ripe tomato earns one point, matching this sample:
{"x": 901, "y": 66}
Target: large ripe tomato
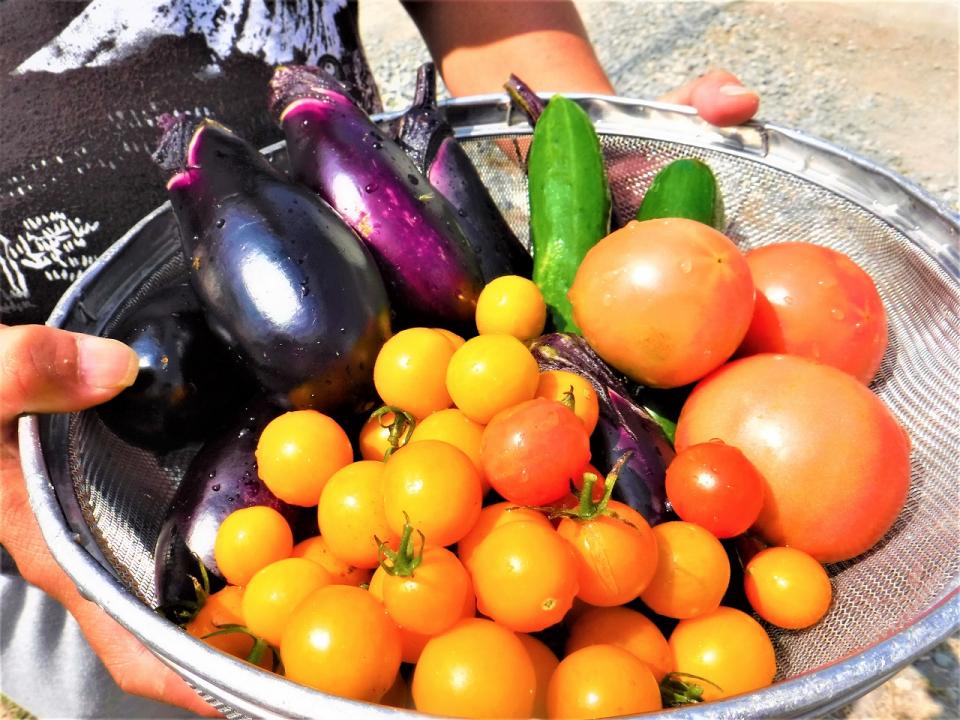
{"x": 816, "y": 302}
{"x": 664, "y": 301}
{"x": 726, "y": 647}
{"x": 601, "y": 681}
{"x": 532, "y": 451}
{"x": 835, "y": 461}
{"x": 475, "y": 669}
{"x": 340, "y": 640}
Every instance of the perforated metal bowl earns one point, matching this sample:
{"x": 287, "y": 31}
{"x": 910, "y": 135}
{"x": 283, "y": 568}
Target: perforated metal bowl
{"x": 100, "y": 502}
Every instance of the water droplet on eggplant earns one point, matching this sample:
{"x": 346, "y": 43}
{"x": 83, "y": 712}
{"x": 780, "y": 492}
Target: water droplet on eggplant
{"x": 216, "y": 488}
{"x": 371, "y": 187}
{"x": 221, "y": 222}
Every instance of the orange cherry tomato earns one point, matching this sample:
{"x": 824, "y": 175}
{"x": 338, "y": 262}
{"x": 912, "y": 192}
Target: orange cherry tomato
{"x": 692, "y": 571}
{"x": 224, "y": 608}
{"x": 726, "y": 647}
{"x": 491, "y": 517}
{"x": 431, "y": 598}
{"x": 317, "y": 550}
{"x": 616, "y": 556}
{"x": 787, "y": 587}
{"x": 544, "y": 665}
{"x": 816, "y": 302}
{"x": 625, "y": 628}
{"x": 491, "y": 373}
{"x": 249, "y": 539}
{"x": 475, "y": 669}
{"x": 274, "y": 593}
{"x": 298, "y": 452}
{"x": 511, "y": 305}
{"x": 664, "y": 301}
{"x": 601, "y": 681}
{"x": 452, "y": 337}
{"x": 340, "y": 640}
{"x": 433, "y": 486}
{"x": 351, "y": 514}
{"x": 373, "y": 441}
{"x": 453, "y": 427}
{"x": 412, "y": 643}
{"x": 558, "y": 384}
{"x": 525, "y": 576}
{"x": 410, "y": 371}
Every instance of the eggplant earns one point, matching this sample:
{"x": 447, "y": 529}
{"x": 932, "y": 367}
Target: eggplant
{"x": 335, "y": 149}
{"x": 623, "y": 426}
{"x": 282, "y": 278}
{"x": 221, "y": 478}
{"x": 428, "y": 139}
{"x": 188, "y": 380}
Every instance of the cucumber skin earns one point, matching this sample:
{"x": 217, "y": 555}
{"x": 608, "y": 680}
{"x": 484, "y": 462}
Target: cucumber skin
{"x": 569, "y": 202}
{"x": 685, "y": 188}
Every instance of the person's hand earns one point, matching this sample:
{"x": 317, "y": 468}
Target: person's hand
{"x": 45, "y": 370}
{"x": 719, "y": 98}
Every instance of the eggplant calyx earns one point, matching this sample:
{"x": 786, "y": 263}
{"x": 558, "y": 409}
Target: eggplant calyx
{"x": 675, "y": 691}
{"x": 525, "y": 98}
{"x": 186, "y": 610}
{"x": 300, "y": 82}
{"x": 260, "y": 646}
{"x": 176, "y": 152}
{"x": 422, "y": 128}
{"x": 406, "y": 559}
{"x": 401, "y": 427}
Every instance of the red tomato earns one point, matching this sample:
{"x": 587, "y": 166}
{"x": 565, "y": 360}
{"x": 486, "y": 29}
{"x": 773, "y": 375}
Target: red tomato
{"x": 664, "y": 301}
{"x": 835, "y": 460}
{"x": 816, "y": 302}
{"x": 532, "y": 451}
{"x": 713, "y": 485}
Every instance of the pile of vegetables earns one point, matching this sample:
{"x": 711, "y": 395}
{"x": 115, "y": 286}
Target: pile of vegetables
{"x": 485, "y": 487}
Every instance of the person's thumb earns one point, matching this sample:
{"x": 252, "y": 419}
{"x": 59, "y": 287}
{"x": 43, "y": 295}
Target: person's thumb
{"x": 44, "y": 369}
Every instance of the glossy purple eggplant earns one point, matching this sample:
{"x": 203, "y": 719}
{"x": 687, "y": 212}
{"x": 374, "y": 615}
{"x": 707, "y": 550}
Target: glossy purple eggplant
{"x": 282, "y": 278}
{"x": 222, "y": 478}
{"x": 623, "y": 426}
{"x": 428, "y": 139}
{"x": 336, "y": 150}
{"x": 188, "y": 380}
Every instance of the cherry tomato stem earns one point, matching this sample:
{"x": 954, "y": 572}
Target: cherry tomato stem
{"x": 401, "y": 427}
{"x": 405, "y": 559}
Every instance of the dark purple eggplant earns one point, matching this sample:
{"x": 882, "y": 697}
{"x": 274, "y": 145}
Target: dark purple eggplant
{"x": 222, "y": 478}
{"x": 188, "y": 380}
{"x": 282, "y": 278}
{"x": 428, "y": 139}
{"x": 623, "y": 426}
{"x": 336, "y": 150}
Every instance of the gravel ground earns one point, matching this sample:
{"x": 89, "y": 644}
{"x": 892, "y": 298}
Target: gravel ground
{"x": 878, "y": 78}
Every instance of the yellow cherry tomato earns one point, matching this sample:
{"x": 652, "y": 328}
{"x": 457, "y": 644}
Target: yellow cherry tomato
{"x": 476, "y": 669}
{"x": 317, "y": 550}
{"x": 410, "y": 371}
{"x": 787, "y": 587}
{"x": 692, "y": 571}
{"x": 601, "y": 681}
{"x": 492, "y": 517}
{"x": 249, "y": 539}
{"x": 625, "y": 628}
{"x": 275, "y": 591}
{"x": 433, "y": 486}
{"x": 544, "y": 665}
{"x": 298, "y": 452}
{"x": 340, "y": 640}
{"x": 511, "y": 305}
{"x": 374, "y": 439}
{"x": 726, "y": 647}
{"x": 491, "y": 373}
{"x": 224, "y": 608}
{"x": 452, "y": 426}
{"x": 454, "y": 339}
{"x": 351, "y": 513}
{"x": 558, "y": 384}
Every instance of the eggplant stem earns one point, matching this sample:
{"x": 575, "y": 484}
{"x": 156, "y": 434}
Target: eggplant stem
{"x": 425, "y": 93}
{"x": 525, "y": 98}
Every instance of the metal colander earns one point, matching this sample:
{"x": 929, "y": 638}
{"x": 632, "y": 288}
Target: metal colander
{"x": 100, "y": 501}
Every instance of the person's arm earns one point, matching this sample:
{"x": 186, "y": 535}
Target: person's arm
{"x": 478, "y": 43}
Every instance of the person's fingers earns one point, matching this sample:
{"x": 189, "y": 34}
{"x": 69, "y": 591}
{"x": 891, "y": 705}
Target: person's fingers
{"x": 45, "y": 369}
{"x": 719, "y": 98}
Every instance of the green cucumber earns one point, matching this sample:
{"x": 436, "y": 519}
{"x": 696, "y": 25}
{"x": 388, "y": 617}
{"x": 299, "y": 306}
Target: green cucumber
{"x": 685, "y": 188}
{"x": 569, "y": 195}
